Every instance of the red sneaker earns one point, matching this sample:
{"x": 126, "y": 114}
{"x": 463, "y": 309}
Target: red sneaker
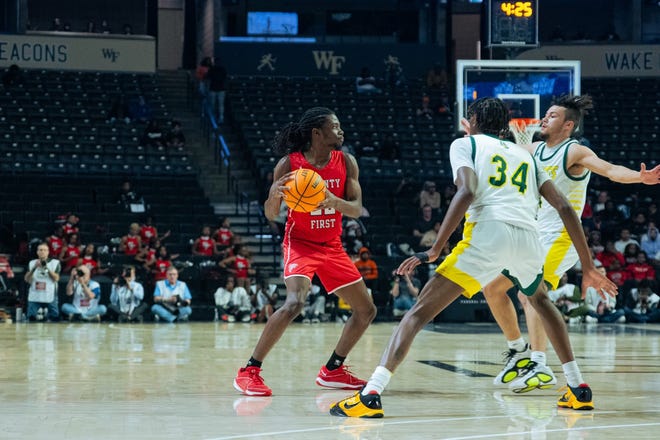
{"x": 248, "y": 381}
{"x": 340, "y": 378}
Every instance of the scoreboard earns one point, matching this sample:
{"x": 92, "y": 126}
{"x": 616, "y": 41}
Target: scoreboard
{"x": 513, "y": 23}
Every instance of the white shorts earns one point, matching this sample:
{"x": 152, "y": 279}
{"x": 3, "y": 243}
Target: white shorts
{"x": 489, "y": 249}
{"x": 560, "y": 256}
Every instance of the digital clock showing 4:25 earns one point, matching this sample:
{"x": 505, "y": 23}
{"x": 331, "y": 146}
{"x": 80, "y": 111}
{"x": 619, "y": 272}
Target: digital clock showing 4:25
{"x": 517, "y": 9}
{"x": 512, "y": 23}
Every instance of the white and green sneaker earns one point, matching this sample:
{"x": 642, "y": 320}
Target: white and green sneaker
{"x": 515, "y": 362}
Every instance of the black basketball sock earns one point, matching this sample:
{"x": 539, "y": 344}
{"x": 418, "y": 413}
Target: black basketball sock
{"x": 335, "y": 361}
{"x": 253, "y": 363}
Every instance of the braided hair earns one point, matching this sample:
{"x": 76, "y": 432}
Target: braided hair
{"x": 492, "y": 116}
{"x": 576, "y": 107}
{"x": 297, "y": 136}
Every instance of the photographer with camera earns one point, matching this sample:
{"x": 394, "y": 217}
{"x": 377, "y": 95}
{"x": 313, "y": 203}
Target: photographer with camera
{"x": 86, "y": 294}
{"x": 126, "y": 297}
{"x": 172, "y": 298}
{"x": 404, "y": 291}
{"x": 42, "y": 276}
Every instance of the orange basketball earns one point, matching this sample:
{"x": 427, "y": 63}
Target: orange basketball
{"x": 306, "y": 191}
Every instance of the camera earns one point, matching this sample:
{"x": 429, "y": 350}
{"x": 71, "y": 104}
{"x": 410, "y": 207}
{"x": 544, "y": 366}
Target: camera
{"x": 121, "y": 281}
{"x": 80, "y": 273}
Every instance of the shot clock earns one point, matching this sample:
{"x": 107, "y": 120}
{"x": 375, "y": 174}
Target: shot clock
{"x": 512, "y": 23}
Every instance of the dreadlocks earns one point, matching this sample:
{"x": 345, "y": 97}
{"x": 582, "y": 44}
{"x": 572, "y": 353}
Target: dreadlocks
{"x": 297, "y": 136}
{"x": 576, "y": 107}
{"x": 492, "y": 116}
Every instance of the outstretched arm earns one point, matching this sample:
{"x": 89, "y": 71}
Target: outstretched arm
{"x": 585, "y": 157}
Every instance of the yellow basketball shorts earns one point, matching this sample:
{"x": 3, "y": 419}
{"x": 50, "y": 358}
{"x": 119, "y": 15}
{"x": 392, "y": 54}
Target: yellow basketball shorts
{"x": 560, "y": 256}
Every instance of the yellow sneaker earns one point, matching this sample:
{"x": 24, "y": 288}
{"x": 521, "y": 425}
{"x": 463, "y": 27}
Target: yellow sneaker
{"x": 368, "y": 406}
{"x": 576, "y": 398}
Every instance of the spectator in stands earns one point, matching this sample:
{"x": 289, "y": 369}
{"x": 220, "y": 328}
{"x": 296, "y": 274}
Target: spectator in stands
{"x": 90, "y": 27}
{"x": 424, "y": 111}
{"x": 56, "y": 241}
{"x": 624, "y": 240}
{"x": 119, "y": 110}
{"x": 12, "y": 77}
{"x": 651, "y": 244}
{"x": 424, "y": 224}
{"x": 638, "y": 226}
{"x": 641, "y": 269}
{"x": 70, "y": 253}
{"x": 204, "y": 245}
{"x": 223, "y": 301}
{"x": 127, "y": 297}
{"x": 393, "y": 73}
{"x": 217, "y": 76}
{"x": 162, "y": 264}
{"x": 595, "y": 243}
{"x": 127, "y": 29}
{"x": 404, "y": 291}
{"x": 131, "y": 243}
{"x": 56, "y": 25}
{"x": 105, "y": 27}
{"x": 602, "y": 310}
{"x": 153, "y": 135}
{"x": 352, "y": 232}
{"x": 365, "y": 83}
{"x": 429, "y": 237}
{"x": 429, "y": 196}
{"x": 436, "y": 78}
{"x": 130, "y": 199}
{"x": 368, "y": 269}
{"x": 568, "y": 299}
{"x": 617, "y": 274}
{"x": 86, "y": 294}
{"x": 448, "y": 194}
{"x": 140, "y": 110}
{"x": 278, "y": 223}
{"x": 406, "y": 191}
{"x": 630, "y": 253}
{"x": 90, "y": 259}
{"x": 172, "y": 298}
{"x": 610, "y": 254}
{"x": 42, "y": 277}
{"x": 239, "y": 265}
{"x": 652, "y": 213}
{"x": 175, "y": 137}
{"x": 149, "y": 232}
{"x": 66, "y": 27}
{"x": 602, "y": 199}
{"x": 223, "y": 236}
{"x": 264, "y": 299}
{"x": 148, "y": 253}
{"x": 314, "y": 308}
{"x": 642, "y": 305}
{"x": 201, "y": 75}
{"x": 70, "y": 225}
{"x": 389, "y": 149}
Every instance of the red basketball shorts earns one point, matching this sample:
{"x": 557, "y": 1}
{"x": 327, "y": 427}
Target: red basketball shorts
{"x": 327, "y": 260}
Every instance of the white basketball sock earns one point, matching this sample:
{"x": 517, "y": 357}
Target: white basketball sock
{"x": 538, "y": 357}
{"x": 378, "y": 381}
{"x": 572, "y": 373}
{"x": 518, "y": 344}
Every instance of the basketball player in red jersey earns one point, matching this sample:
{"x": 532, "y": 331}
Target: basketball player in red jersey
{"x": 312, "y": 245}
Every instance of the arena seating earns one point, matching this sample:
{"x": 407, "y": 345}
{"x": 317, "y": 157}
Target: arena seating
{"x": 55, "y": 122}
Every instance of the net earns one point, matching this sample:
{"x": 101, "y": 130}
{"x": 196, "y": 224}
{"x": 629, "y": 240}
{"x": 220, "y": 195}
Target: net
{"x": 523, "y": 129}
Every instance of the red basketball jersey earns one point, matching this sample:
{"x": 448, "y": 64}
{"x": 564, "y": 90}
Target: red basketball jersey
{"x": 161, "y": 269}
{"x": 321, "y": 225}
{"x": 132, "y": 245}
{"x": 147, "y": 233}
{"x": 241, "y": 265}
{"x": 205, "y": 246}
{"x": 223, "y": 237}
{"x": 55, "y": 245}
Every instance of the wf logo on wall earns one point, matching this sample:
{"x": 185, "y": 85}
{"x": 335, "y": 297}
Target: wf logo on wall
{"x": 110, "y": 54}
{"x": 326, "y": 59}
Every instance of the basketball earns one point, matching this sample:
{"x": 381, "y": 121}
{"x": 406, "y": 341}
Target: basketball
{"x": 305, "y": 191}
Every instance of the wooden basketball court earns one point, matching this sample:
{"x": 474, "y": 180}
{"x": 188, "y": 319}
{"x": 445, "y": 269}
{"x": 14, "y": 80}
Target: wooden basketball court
{"x": 163, "y": 381}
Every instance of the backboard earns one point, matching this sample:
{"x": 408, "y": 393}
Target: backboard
{"x": 529, "y": 87}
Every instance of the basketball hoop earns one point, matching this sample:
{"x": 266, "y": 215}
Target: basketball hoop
{"x": 523, "y": 129}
